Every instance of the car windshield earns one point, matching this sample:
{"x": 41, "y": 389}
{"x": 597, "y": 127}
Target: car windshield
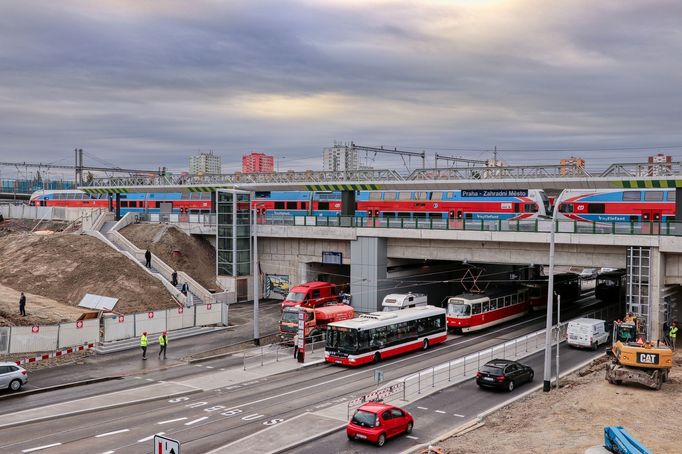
{"x": 342, "y": 339}
{"x": 296, "y": 296}
{"x": 364, "y": 418}
{"x": 290, "y": 316}
{"x": 459, "y": 309}
{"x": 492, "y": 370}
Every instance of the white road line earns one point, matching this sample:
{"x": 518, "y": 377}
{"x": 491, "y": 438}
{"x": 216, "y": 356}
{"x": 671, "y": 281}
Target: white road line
{"x": 196, "y": 421}
{"x": 41, "y": 447}
{"x": 440, "y": 411}
{"x": 149, "y": 379}
{"x": 139, "y": 378}
{"x": 142, "y": 440}
{"x": 172, "y": 420}
{"x": 112, "y": 433}
{"x": 109, "y": 452}
{"x": 422, "y": 408}
{"x": 458, "y": 415}
{"x": 412, "y": 437}
{"x": 209, "y": 367}
{"x": 221, "y": 369}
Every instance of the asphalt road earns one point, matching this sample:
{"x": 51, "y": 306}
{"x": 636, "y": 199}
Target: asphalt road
{"x": 214, "y": 417}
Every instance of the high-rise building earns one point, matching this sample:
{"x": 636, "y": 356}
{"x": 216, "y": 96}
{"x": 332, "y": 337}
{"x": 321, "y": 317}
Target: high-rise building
{"x": 572, "y": 166}
{"x": 339, "y": 158}
{"x": 204, "y": 163}
{"x": 660, "y": 165}
{"x": 258, "y": 163}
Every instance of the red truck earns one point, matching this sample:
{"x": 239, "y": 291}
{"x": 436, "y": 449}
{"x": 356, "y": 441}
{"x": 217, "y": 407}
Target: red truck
{"x": 316, "y": 323}
{"x": 311, "y": 294}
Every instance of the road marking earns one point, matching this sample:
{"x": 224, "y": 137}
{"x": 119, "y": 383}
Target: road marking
{"x": 138, "y": 378}
{"x": 458, "y": 415}
{"x": 172, "y": 420}
{"x": 196, "y": 421}
{"x": 41, "y": 447}
{"x": 112, "y": 433}
{"x": 221, "y": 369}
{"x": 440, "y": 411}
{"x": 109, "y": 452}
{"x": 412, "y": 437}
{"x": 422, "y": 408}
{"x": 142, "y": 440}
{"x": 209, "y": 367}
{"x": 149, "y": 379}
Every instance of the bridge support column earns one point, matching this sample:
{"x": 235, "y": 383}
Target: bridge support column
{"x": 678, "y": 204}
{"x": 657, "y": 294}
{"x": 368, "y": 265}
{"x": 117, "y": 216}
{"x": 348, "y": 203}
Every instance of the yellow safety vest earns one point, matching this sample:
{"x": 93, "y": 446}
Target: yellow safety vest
{"x": 143, "y": 341}
{"x": 673, "y": 332}
{"x": 163, "y": 340}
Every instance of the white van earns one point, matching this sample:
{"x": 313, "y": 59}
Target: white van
{"x": 587, "y": 333}
{"x": 398, "y": 301}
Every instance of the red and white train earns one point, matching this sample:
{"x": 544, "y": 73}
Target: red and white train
{"x": 474, "y": 311}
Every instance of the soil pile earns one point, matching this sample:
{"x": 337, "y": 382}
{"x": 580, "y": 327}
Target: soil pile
{"x": 64, "y": 267}
{"x": 191, "y": 254}
{"x": 572, "y": 419}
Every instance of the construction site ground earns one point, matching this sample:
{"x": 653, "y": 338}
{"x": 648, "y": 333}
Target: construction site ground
{"x": 56, "y": 269}
{"x": 191, "y": 254}
{"x": 572, "y": 419}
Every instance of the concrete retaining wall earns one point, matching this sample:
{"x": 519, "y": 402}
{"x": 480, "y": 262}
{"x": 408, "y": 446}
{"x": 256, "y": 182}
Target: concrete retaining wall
{"x": 78, "y": 333}
{"x": 117, "y": 327}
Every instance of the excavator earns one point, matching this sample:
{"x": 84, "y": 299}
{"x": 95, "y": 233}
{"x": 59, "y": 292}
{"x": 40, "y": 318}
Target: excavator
{"x": 636, "y": 360}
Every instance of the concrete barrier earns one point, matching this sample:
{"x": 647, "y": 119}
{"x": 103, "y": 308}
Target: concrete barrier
{"x": 78, "y": 333}
{"x": 118, "y": 327}
{"x": 33, "y": 338}
{"x": 4, "y": 340}
{"x": 151, "y": 322}
{"x": 208, "y": 314}
{"x": 182, "y": 317}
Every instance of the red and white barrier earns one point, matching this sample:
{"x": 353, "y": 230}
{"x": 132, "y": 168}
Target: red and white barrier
{"x": 55, "y": 354}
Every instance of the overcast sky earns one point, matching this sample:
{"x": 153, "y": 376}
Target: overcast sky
{"x": 145, "y": 83}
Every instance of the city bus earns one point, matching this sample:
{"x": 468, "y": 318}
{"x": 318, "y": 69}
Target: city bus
{"x": 473, "y": 311}
{"x": 565, "y": 284}
{"x": 372, "y": 337}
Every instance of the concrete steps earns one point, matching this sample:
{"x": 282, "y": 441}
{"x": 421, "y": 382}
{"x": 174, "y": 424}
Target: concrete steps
{"x": 129, "y": 344}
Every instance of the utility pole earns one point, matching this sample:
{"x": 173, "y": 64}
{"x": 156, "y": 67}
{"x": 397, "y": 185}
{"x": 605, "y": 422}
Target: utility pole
{"x": 558, "y": 336}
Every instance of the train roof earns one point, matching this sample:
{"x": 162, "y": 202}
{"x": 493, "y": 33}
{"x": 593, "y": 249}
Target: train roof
{"x": 376, "y": 319}
{"x": 56, "y": 191}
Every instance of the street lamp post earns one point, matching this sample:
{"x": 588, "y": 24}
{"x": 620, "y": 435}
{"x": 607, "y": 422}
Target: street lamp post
{"x": 256, "y": 280}
{"x": 547, "y": 373}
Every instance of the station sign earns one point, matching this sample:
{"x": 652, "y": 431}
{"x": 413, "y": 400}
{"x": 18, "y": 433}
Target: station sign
{"x": 164, "y": 445}
{"x": 332, "y": 258}
{"x": 494, "y": 192}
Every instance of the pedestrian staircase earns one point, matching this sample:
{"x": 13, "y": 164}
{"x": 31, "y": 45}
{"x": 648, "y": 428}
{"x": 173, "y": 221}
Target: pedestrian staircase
{"x": 128, "y": 344}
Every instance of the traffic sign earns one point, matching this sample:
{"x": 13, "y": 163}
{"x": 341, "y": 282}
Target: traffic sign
{"x": 150, "y": 314}
{"x": 35, "y": 328}
{"x": 163, "y": 445}
{"x": 79, "y": 324}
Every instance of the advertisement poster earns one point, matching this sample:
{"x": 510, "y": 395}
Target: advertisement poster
{"x": 276, "y": 286}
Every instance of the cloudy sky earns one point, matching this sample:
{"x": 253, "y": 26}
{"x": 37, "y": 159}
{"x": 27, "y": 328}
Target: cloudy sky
{"x": 145, "y": 83}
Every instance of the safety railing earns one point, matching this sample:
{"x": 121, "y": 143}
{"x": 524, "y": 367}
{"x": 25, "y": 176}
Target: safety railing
{"x": 266, "y": 354}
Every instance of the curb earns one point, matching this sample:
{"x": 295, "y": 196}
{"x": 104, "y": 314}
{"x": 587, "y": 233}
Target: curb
{"x": 223, "y": 355}
{"x": 309, "y": 439}
{"x": 103, "y": 407}
{"x": 72, "y": 384}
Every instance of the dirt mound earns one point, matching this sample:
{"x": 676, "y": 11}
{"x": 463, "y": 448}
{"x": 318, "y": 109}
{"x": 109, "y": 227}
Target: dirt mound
{"x": 9, "y": 226}
{"x": 39, "y": 309}
{"x": 572, "y": 419}
{"x": 64, "y": 267}
{"x": 191, "y": 254}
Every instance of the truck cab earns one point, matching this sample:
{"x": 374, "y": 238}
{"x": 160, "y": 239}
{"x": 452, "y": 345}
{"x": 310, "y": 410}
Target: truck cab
{"x": 311, "y": 294}
{"x": 398, "y": 301}
{"x": 316, "y": 320}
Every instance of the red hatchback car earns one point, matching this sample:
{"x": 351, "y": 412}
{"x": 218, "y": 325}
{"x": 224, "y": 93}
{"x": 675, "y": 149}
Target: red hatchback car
{"x": 376, "y": 422}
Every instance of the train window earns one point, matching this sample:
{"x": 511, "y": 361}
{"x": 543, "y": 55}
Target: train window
{"x": 597, "y": 207}
{"x": 390, "y": 195}
{"x": 421, "y": 196}
{"x": 375, "y": 195}
{"x": 185, "y": 195}
{"x": 322, "y": 205}
{"x": 566, "y": 208}
{"x": 124, "y": 204}
{"x": 671, "y": 196}
{"x": 436, "y": 195}
{"x": 475, "y": 308}
{"x": 419, "y": 215}
{"x": 632, "y": 196}
{"x": 304, "y": 205}
{"x": 279, "y": 205}
{"x": 468, "y": 216}
{"x": 291, "y": 205}
{"x": 404, "y": 195}
{"x": 530, "y": 208}
{"x": 653, "y": 196}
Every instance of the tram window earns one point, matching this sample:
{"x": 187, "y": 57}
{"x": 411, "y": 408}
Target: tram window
{"x": 671, "y": 196}
{"x": 279, "y": 205}
{"x": 375, "y": 195}
{"x": 653, "y": 196}
{"x": 291, "y": 205}
{"x": 632, "y": 196}
{"x": 493, "y": 304}
{"x": 596, "y": 208}
{"x": 421, "y": 196}
{"x": 486, "y": 306}
{"x": 475, "y": 308}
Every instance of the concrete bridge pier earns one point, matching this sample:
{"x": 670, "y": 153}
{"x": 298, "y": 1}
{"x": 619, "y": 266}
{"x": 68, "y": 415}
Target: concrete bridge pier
{"x": 368, "y": 272}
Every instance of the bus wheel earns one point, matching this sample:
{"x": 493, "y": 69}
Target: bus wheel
{"x": 425, "y": 345}
{"x": 377, "y": 357}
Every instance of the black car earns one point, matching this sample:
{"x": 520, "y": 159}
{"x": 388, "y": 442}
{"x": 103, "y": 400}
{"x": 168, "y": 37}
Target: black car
{"x": 503, "y": 374}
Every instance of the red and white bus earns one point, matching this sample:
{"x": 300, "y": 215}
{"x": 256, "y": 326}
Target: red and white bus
{"x": 473, "y": 311}
{"x": 370, "y": 338}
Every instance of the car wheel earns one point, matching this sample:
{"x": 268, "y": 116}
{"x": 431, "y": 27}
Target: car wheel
{"x": 377, "y": 357}
{"x": 410, "y": 425}
{"x": 510, "y": 386}
{"x": 381, "y": 440}
{"x": 531, "y": 376}
{"x": 350, "y": 437}
{"x": 15, "y": 385}
{"x": 425, "y": 344}
{"x": 595, "y": 346}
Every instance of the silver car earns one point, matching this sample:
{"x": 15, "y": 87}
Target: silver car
{"x": 12, "y": 376}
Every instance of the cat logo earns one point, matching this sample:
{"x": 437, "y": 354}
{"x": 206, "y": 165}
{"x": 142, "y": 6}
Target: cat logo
{"x": 647, "y": 358}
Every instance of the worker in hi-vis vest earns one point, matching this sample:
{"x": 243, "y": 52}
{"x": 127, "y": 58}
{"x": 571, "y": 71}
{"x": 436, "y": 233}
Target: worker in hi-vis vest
{"x": 143, "y": 344}
{"x": 163, "y": 343}
{"x": 673, "y": 334}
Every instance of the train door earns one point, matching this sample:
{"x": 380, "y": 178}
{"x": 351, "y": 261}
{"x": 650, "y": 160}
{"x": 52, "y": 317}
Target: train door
{"x": 651, "y": 221}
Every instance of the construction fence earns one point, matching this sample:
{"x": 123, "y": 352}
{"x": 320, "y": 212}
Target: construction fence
{"x": 44, "y": 338}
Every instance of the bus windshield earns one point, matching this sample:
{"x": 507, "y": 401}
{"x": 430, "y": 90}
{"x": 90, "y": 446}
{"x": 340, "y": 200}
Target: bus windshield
{"x": 296, "y": 296}
{"x": 459, "y": 309}
{"x": 346, "y": 340}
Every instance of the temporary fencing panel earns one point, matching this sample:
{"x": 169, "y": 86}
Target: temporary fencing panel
{"x": 33, "y": 338}
{"x": 208, "y": 314}
{"x": 78, "y": 333}
{"x": 182, "y": 317}
{"x": 118, "y": 327}
{"x": 151, "y": 322}
{"x": 4, "y": 340}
